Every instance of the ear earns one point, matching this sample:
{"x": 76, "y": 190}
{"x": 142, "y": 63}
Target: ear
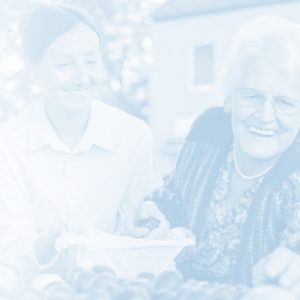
{"x": 227, "y": 104}
{"x": 33, "y": 72}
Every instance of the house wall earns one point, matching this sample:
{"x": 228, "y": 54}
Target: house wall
{"x": 174, "y": 103}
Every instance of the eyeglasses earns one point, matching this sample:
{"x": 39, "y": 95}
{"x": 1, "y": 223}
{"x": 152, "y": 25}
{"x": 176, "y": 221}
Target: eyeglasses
{"x": 282, "y": 105}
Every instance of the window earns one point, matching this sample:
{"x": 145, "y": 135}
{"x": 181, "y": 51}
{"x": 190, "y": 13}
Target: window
{"x": 201, "y": 70}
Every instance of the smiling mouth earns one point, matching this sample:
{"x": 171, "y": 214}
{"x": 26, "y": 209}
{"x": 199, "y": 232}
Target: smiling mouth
{"x": 77, "y": 92}
{"x": 262, "y": 131}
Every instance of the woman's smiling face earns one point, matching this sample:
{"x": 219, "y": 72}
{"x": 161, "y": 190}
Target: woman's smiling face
{"x": 260, "y": 132}
{"x": 70, "y": 69}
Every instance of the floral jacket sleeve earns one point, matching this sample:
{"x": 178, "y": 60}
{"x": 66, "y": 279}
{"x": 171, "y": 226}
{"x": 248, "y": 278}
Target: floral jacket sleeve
{"x": 291, "y": 233}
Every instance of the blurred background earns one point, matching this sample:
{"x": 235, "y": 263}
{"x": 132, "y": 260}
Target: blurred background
{"x": 163, "y": 59}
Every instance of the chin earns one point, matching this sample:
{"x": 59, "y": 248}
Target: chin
{"x": 261, "y": 152}
{"x": 77, "y": 106}
{"x": 259, "y": 148}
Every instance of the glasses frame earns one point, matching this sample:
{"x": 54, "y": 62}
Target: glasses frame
{"x": 264, "y": 97}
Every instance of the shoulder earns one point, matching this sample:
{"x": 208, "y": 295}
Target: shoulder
{"x": 121, "y": 123}
{"x": 17, "y": 127}
{"x": 212, "y": 126}
{"x": 287, "y": 167}
{"x": 289, "y": 191}
{"x": 295, "y": 178}
{"x": 293, "y": 182}
{"x": 118, "y": 116}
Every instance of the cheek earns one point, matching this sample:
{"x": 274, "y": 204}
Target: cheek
{"x": 290, "y": 128}
{"x": 240, "y": 115}
{"x": 96, "y": 76}
{"x": 61, "y": 77}
{"x": 52, "y": 79}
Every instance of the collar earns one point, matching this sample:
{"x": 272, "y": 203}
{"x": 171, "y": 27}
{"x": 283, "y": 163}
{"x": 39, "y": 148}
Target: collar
{"x": 99, "y": 131}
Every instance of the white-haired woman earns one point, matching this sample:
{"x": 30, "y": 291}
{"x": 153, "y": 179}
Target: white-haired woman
{"x": 237, "y": 180}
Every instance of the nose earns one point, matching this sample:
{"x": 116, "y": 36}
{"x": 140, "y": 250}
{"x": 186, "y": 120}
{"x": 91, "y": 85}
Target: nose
{"x": 81, "y": 76}
{"x": 266, "y": 111}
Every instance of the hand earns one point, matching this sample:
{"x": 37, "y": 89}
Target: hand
{"x": 9, "y": 281}
{"x": 44, "y": 246}
{"x": 271, "y": 292}
{"x": 180, "y": 233}
{"x": 281, "y": 267}
{"x": 148, "y": 222}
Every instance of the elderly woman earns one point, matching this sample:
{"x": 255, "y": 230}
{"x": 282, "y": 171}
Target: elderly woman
{"x": 67, "y": 162}
{"x": 236, "y": 185}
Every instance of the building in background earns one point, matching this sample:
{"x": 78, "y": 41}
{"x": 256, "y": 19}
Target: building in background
{"x": 190, "y": 39}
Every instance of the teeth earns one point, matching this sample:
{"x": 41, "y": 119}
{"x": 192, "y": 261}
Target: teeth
{"x": 77, "y": 92}
{"x": 265, "y": 132}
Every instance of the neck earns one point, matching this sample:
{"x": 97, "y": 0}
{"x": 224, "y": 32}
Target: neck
{"x": 249, "y": 167}
{"x": 68, "y": 126}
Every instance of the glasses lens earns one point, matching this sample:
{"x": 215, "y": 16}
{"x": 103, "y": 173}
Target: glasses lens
{"x": 250, "y": 97}
{"x": 286, "y": 105}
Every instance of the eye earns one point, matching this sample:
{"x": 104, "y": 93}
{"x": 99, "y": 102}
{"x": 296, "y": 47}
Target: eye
{"x": 64, "y": 65}
{"x": 249, "y": 93}
{"x": 249, "y": 97}
{"x": 92, "y": 62}
{"x": 286, "y": 105}
{"x": 286, "y": 101}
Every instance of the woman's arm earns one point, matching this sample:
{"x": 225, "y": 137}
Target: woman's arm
{"x": 18, "y": 264}
{"x": 139, "y": 185}
{"x": 291, "y": 235}
{"x": 282, "y": 266}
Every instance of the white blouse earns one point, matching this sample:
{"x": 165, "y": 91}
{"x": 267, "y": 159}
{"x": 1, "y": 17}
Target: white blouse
{"x": 45, "y": 186}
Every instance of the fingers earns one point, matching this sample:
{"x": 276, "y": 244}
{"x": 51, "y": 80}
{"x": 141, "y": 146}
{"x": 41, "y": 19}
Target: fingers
{"x": 278, "y": 262}
{"x": 259, "y": 273}
{"x": 135, "y": 231}
{"x": 271, "y": 266}
{"x": 280, "y": 267}
{"x": 296, "y": 290}
{"x": 160, "y": 232}
{"x": 149, "y": 222}
{"x": 8, "y": 279}
{"x": 138, "y": 232}
{"x": 291, "y": 276}
{"x": 148, "y": 209}
{"x": 269, "y": 292}
{"x": 181, "y": 233}
{"x": 44, "y": 246}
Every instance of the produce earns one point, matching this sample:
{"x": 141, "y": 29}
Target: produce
{"x": 102, "y": 283}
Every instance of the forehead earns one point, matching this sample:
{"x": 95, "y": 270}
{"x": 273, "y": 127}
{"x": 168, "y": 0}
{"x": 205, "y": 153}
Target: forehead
{"x": 79, "y": 39}
{"x": 270, "y": 75}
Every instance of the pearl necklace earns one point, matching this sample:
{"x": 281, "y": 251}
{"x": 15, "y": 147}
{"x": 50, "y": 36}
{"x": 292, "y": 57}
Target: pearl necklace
{"x": 242, "y": 174}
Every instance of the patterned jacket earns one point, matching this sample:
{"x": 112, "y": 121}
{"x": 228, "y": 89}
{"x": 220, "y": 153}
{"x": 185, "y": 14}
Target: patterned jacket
{"x": 274, "y": 216}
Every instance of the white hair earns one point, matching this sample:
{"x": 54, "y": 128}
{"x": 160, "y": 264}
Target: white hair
{"x": 252, "y": 39}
